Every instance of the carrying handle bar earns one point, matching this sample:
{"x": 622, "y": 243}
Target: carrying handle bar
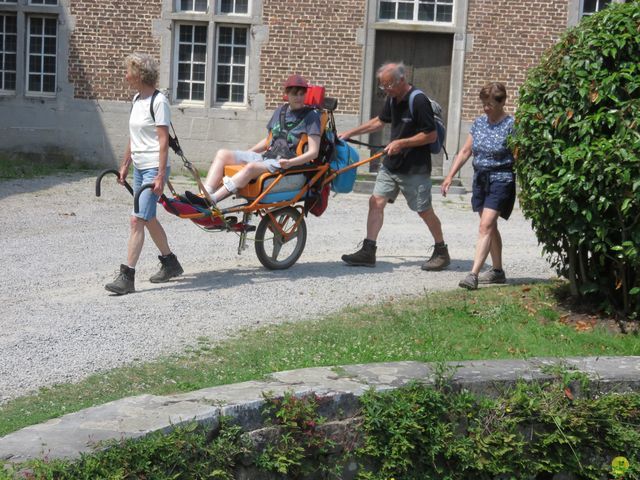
{"x": 136, "y": 198}
{"x": 117, "y": 174}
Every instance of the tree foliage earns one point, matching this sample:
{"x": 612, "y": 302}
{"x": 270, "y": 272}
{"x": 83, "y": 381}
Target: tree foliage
{"x": 577, "y": 148}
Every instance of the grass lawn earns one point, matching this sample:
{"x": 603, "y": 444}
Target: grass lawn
{"x": 502, "y": 322}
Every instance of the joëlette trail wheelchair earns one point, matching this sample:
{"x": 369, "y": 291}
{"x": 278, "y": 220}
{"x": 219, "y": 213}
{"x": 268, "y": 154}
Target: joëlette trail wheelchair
{"x": 282, "y": 200}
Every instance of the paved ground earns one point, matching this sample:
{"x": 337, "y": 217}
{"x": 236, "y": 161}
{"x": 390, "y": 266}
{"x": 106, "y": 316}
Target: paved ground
{"x": 61, "y": 244}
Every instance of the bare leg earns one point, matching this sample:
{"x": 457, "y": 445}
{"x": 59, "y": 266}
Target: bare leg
{"x": 158, "y": 236}
{"x": 496, "y": 249}
{"x": 433, "y": 224}
{"x": 136, "y": 240}
{"x": 488, "y": 225}
{"x": 375, "y": 218}
{"x": 242, "y": 178}
{"x": 216, "y": 171}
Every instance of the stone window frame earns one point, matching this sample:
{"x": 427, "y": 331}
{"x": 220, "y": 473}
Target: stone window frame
{"x": 23, "y": 12}
{"x": 416, "y": 9}
{"x": 212, "y": 19}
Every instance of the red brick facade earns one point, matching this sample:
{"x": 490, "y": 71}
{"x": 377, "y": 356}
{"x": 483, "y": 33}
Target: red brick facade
{"x": 508, "y": 38}
{"x": 317, "y": 40}
{"x": 105, "y": 33}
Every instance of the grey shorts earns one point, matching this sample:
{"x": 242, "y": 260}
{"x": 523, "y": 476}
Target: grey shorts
{"x": 244, "y": 156}
{"x": 416, "y": 188}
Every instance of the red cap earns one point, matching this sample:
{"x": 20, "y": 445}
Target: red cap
{"x": 296, "y": 81}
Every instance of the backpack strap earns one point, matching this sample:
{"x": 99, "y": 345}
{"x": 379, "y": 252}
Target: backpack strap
{"x": 412, "y": 96}
{"x": 153, "y": 99}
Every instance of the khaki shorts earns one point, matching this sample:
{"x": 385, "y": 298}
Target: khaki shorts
{"x": 416, "y": 188}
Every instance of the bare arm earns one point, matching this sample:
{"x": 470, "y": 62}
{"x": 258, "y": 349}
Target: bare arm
{"x": 417, "y": 140}
{"x": 126, "y": 163}
{"x": 372, "y": 125}
{"x": 313, "y": 147}
{"x": 261, "y": 146}
{"x": 461, "y": 158}
{"x": 163, "y": 139}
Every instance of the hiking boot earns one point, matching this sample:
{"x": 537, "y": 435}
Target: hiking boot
{"x": 365, "y": 257}
{"x": 492, "y": 276}
{"x": 470, "y": 282}
{"x": 124, "y": 282}
{"x": 439, "y": 259}
{"x": 170, "y": 268}
{"x": 197, "y": 200}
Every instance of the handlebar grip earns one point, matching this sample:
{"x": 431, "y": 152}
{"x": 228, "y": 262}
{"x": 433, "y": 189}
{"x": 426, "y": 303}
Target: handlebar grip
{"x": 117, "y": 174}
{"x": 136, "y": 198}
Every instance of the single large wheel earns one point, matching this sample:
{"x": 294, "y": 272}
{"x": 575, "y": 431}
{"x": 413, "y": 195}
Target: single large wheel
{"x": 280, "y": 244}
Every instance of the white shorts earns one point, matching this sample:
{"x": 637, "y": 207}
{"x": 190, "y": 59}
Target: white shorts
{"x": 244, "y": 156}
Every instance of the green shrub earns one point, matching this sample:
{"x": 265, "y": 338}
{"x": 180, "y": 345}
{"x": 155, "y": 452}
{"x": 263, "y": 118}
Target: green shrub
{"x": 577, "y": 152}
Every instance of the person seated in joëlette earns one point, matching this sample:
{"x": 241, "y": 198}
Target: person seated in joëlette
{"x": 276, "y": 151}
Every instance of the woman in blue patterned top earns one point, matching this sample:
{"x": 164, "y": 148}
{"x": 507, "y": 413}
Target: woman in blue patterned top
{"x": 494, "y": 188}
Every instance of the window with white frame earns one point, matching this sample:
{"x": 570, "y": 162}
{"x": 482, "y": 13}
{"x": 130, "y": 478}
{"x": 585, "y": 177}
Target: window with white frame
{"x": 589, "y": 7}
{"x": 211, "y": 52}
{"x": 41, "y": 48}
{"x": 29, "y": 37}
{"x": 8, "y": 51}
{"x": 231, "y": 64}
{"x": 191, "y": 62}
{"x": 193, "y": 5}
{"x": 416, "y": 10}
{"x": 238, "y": 7}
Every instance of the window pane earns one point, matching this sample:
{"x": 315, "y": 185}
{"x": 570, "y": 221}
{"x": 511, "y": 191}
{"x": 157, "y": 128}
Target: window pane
{"x": 35, "y": 45}
{"x": 426, "y": 12}
{"x": 184, "y": 71}
{"x": 193, "y": 5}
{"x": 197, "y": 91}
{"x": 224, "y": 74}
{"x": 405, "y": 11}
{"x": 35, "y": 63}
{"x": 201, "y": 6}
{"x": 9, "y": 81}
{"x": 36, "y": 26}
{"x": 50, "y": 45}
{"x": 242, "y": 6}
{"x": 50, "y": 26}
{"x": 49, "y": 83}
{"x": 198, "y": 72}
{"x": 184, "y": 53}
{"x": 186, "y": 33}
{"x": 9, "y": 62}
{"x": 237, "y": 93}
{"x": 225, "y": 35}
{"x": 224, "y": 54}
{"x": 49, "y": 65}
{"x": 183, "y": 92}
{"x": 238, "y": 75}
{"x": 589, "y": 6}
{"x": 387, "y": 10}
{"x": 199, "y": 53}
{"x": 240, "y": 36}
{"x": 200, "y": 34}
{"x": 222, "y": 94}
{"x": 239, "y": 55}
{"x": 226, "y": 6}
{"x": 34, "y": 83}
{"x": 445, "y": 13}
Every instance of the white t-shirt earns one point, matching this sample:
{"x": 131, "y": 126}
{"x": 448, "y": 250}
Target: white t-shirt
{"x": 145, "y": 147}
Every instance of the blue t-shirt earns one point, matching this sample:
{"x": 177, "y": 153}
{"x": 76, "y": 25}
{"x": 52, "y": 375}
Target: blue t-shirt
{"x": 490, "y": 152}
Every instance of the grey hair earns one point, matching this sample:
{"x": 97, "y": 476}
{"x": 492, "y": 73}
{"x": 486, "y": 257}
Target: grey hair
{"x": 397, "y": 69}
{"x": 145, "y": 66}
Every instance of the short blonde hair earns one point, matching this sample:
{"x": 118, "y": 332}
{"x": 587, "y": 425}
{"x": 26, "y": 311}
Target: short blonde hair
{"x": 144, "y": 66}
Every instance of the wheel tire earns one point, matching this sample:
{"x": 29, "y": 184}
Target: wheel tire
{"x": 281, "y": 255}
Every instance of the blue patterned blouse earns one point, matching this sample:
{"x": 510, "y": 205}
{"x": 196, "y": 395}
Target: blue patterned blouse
{"x": 490, "y": 152}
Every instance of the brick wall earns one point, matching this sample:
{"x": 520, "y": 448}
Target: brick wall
{"x": 105, "y": 33}
{"x": 508, "y": 38}
{"x": 318, "y": 40}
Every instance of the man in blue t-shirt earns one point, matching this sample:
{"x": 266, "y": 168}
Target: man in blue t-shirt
{"x": 276, "y": 151}
{"x": 406, "y": 167}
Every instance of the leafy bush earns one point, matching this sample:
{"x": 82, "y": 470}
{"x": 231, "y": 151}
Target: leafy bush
{"x": 577, "y": 148}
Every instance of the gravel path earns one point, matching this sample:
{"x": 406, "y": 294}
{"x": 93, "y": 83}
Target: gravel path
{"x": 61, "y": 244}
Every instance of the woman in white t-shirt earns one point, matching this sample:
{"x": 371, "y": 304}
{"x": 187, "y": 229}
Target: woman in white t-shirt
{"x": 148, "y": 149}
